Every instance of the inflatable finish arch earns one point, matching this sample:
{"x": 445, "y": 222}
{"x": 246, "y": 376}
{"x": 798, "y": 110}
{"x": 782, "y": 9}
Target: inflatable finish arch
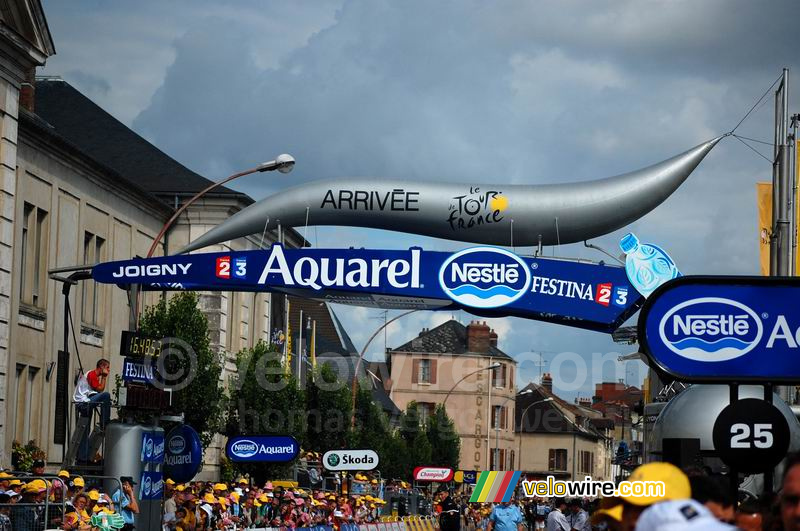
{"x": 485, "y": 213}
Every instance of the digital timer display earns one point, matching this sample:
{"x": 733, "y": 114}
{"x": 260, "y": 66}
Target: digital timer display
{"x": 136, "y": 345}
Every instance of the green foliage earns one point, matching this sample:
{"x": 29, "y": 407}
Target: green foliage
{"x": 265, "y": 401}
{"x": 444, "y": 440}
{"x": 227, "y": 471}
{"x": 329, "y": 406}
{"x": 23, "y": 456}
{"x": 202, "y": 401}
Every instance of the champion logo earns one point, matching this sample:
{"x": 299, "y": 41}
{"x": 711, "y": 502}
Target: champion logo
{"x": 484, "y": 277}
{"x": 711, "y": 329}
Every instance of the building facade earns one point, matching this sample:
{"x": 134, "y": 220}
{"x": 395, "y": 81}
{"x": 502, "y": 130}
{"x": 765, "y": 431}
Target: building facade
{"x": 559, "y": 439}
{"x": 450, "y": 365}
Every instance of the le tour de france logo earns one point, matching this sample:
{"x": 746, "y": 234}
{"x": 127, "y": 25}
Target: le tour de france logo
{"x": 711, "y": 329}
{"x": 484, "y": 277}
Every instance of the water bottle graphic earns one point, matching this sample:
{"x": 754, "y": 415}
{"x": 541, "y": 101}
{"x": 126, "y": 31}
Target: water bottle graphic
{"x": 647, "y": 265}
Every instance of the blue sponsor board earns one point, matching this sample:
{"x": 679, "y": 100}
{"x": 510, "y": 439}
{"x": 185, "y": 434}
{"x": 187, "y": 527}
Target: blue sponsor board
{"x": 486, "y": 281}
{"x": 152, "y": 447}
{"x": 151, "y": 486}
{"x": 714, "y": 329}
{"x": 470, "y": 477}
{"x": 262, "y": 449}
{"x": 138, "y": 370}
{"x": 183, "y": 453}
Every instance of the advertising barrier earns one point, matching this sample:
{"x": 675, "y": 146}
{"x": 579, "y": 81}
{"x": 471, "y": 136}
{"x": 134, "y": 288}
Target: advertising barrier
{"x": 183, "y": 453}
{"x": 336, "y": 460}
{"x": 262, "y": 449}
{"x": 486, "y": 281}
{"x": 724, "y": 329}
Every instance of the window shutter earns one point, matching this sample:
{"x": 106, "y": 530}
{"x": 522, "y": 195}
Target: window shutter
{"x": 415, "y": 371}
{"x": 433, "y": 371}
{"x": 494, "y": 410}
{"x": 511, "y": 378}
{"x": 552, "y": 460}
{"x": 503, "y": 418}
{"x": 503, "y": 377}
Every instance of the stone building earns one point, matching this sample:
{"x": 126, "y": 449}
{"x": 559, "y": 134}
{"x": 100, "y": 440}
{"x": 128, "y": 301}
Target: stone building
{"x": 449, "y": 365}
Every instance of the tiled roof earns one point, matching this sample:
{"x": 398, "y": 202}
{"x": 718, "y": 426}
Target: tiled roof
{"x": 548, "y": 417}
{"x": 110, "y": 142}
{"x": 447, "y": 338}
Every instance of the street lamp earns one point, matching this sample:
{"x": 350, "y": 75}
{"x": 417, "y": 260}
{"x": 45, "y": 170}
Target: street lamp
{"x": 497, "y": 426}
{"x": 489, "y": 368}
{"x": 282, "y": 163}
{"x": 361, "y": 358}
{"x": 521, "y": 420}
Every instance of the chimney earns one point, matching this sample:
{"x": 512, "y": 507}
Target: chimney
{"x": 478, "y": 337}
{"x": 585, "y": 401}
{"x": 423, "y": 331}
{"x": 27, "y": 89}
{"x": 547, "y": 382}
{"x": 493, "y": 338}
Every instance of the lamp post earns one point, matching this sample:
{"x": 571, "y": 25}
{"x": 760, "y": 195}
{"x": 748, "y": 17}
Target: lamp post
{"x": 490, "y": 367}
{"x": 497, "y": 426}
{"x": 283, "y": 163}
{"x": 361, "y": 358}
{"x": 522, "y": 420}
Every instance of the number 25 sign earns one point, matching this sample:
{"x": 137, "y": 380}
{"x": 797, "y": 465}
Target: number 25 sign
{"x": 751, "y": 435}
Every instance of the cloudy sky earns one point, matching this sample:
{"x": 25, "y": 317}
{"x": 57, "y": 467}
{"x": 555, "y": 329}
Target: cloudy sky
{"x": 462, "y": 91}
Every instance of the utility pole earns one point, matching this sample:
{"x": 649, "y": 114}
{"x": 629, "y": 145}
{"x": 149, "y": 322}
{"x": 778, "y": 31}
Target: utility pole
{"x": 781, "y": 242}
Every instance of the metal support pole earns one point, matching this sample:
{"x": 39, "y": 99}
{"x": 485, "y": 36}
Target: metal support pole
{"x": 769, "y": 473}
{"x": 734, "y": 474}
{"x": 489, "y": 417}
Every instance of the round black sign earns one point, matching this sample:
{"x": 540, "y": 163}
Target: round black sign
{"x": 751, "y": 435}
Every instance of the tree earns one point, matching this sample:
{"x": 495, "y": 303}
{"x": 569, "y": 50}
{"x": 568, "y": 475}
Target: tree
{"x": 328, "y": 403}
{"x": 265, "y": 401}
{"x": 444, "y": 439}
{"x": 188, "y": 355}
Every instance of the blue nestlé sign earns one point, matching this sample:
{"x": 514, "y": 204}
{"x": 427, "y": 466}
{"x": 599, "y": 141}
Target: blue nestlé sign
{"x": 183, "y": 455}
{"x": 262, "y": 449}
{"x": 722, "y": 329}
{"x": 487, "y": 281}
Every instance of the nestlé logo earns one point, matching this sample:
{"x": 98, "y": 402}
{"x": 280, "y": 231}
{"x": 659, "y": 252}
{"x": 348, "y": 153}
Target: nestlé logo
{"x": 244, "y": 449}
{"x": 711, "y": 329}
{"x": 484, "y": 277}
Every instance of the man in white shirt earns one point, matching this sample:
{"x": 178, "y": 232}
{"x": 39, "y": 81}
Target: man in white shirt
{"x": 578, "y": 518}
{"x": 556, "y": 520}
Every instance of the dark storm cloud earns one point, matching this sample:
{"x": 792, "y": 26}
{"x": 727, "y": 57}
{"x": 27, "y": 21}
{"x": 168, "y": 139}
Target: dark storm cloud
{"x": 509, "y": 91}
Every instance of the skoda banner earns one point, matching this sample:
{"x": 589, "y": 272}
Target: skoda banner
{"x": 262, "y": 449}
{"x": 723, "y": 329}
{"x": 487, "y": 281}
{"x": 336, "y": 460}
{"x": 183, "y": 455}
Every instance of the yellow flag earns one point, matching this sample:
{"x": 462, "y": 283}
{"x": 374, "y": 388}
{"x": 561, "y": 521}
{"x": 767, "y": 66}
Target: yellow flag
{"x": 764, "y": 197}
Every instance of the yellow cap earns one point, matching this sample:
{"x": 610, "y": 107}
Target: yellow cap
{"x": 94, "y": 495}
{"x": 235, "y": 497}
{"x": 170, "y": 482}
{"x": 78, "y": 482}
{"x": 5, "y": 475}
{"x": 37, "y": 485}
{"x": 610, "y": 513}
{"x": 223, "y": 501}
{"x": 220, "y": 486}
{"x": 180, "y": 488}
{"x": 14, "y": 483}
{"x": 676, "y": 484}
{"x": 263, "y": 498}
{"x": 257, "y": 503}
{"x": 209, "y": 498}
{"x": 63, "y": 474}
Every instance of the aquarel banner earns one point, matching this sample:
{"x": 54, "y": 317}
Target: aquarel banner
{"x": 486, "y": 281}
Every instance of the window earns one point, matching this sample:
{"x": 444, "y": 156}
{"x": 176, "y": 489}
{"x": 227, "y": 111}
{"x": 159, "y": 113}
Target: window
{"x": 557, "y": 460}
{"x": 92, "y": 311}
{"x": 425, "y": 411}
{"x": 424, "y": 371}
{"x": 499, "y": 414}
{"x": 586, "y": 463}
{"x": 26, "y": 381}
{"x": 499, "y": 376}
{"x": 33, "y": 253}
